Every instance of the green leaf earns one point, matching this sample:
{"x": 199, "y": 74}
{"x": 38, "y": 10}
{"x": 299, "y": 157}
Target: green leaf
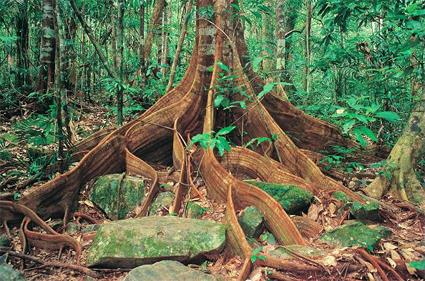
{"x": 419, "y": 265}
{"x": 266, "y": 89}
{"x": 218, "y": 100}
{"x": 223, "y": 66}
{"x": 225, "y": 130}
{"x": 388, "y": 116}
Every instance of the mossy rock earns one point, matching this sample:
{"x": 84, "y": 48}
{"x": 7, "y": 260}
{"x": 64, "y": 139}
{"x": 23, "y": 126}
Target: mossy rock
{"x": 4, "y": 241}
{"x": 133, "y": 242}
{"x": 251, "y": 221}
{"x": 292, "y": 198}
{"x": 194, "y": 210}
{"x": 162, "y": 200}
{"x": 117, "y": 194}
{"x": 367, "y": 211}
{"x": 302, "y": 250}
{"x": 167, "y": 270}
{"x": 355, "y": 233}
{"x": 8, "y": 273}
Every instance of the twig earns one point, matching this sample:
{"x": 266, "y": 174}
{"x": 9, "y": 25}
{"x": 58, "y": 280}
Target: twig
{"x": 79, "y": 268}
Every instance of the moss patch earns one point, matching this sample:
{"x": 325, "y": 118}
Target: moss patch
{"x": 251, "y": 221}
{"x": 292, "y": 198}
{"x": 358, "y": 234}
{"x": 366, "y": 211}
{"x": 117, "y": 194}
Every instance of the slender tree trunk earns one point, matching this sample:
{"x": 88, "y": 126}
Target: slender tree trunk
{"x": 142, "y": 33}
{"x": 22, "y": 45}
{"x": 87, "y": 30}
{"x": 58, "y": 86}
{"x": 47, "y": 48}
{"x": 120, "y": 61}
{"x": 179, "y": 47}
{"x": 69, "y": 73}
{"x": 165, "y": 39}
{"x": 153, "y": 26}
{"x": 267, "y": 38}
{"x": 307, "y": 47}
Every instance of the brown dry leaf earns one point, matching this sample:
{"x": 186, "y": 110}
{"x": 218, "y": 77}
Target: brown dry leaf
{"x": 370, "y": 277}
{"x": 389, "y": 246}
{"x": 395, "y": 255}
{"x": 408, "y": 254}
{"x": 329, "y": 261}
{"x": 411, "y": 270}
{"x": 392, "y": 262}
{"x": 332, "y": 209}
{"x": 313, "y": 212}
{"x": 87, "y": 202}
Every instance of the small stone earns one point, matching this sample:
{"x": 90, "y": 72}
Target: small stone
{"x": 72, "y": 228}
{"x": 133, "y": 242}
{"x": 292, "y": 198}
{"x": 367, "y": 211}
{"x": 4, "y": 241}
{"x": 251, "y": 221}
{"x": 162, "y": 201}
{"x": 194, "y": 210}
{"x": 167, "y": 270}
{"x": 89, "y": 228}
{"x": 355, "y": 233}
{"x": 8, "y": 273}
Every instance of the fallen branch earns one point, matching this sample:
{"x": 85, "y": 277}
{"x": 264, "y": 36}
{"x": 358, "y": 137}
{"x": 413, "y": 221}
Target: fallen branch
{"x": 78, "y": 268}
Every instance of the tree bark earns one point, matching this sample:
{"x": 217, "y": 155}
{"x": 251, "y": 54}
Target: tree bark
{"x": 153, "y": 26}
{"x": 307, "y": 47}
{"x": 179, "y": 47}
{"x": 22, "y": 45}
{"x": 120, "y": 61}
{"x": 399, "y": 176}
{"x": 48, "y": 47}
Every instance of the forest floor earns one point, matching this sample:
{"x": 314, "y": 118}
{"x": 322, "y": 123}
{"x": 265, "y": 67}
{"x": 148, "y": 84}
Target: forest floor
{"x": 406, "y": 242}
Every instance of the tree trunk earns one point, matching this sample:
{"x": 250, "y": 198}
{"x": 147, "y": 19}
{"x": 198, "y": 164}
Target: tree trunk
{"x": 307, "y": 47}
{"x": 399, "y": 176}
{"x": 47, "y": 47}
{"x": 22, "y": 46}
{"x": 120, "y": 61}
{"x": 153, "y": 27}
{"x": 165, "y": 40}
{"x": 179, "y": 47}
{"x": 58, "y": 86}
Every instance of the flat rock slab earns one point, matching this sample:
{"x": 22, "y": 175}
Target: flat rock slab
{"x": 133, "y": 242}
{"x": 167, "y": 270}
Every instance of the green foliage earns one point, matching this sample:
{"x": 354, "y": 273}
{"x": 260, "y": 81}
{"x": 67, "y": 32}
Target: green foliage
{"x": 419, "y": 265}
{"x": 358, "y": 116}
{"x": 256, "y": 254}
{"x": 217, "y": 140}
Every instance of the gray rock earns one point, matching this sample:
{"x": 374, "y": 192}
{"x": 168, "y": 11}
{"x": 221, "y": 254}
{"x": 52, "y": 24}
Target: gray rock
{"x": 251, "y": 221}
{"x": 117, "y": 194}
{"x": 8, "y": 273}
{"x": 167, "y": 270}
{"x": 133, "y": 242}
{"x": 72, "y": 228}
